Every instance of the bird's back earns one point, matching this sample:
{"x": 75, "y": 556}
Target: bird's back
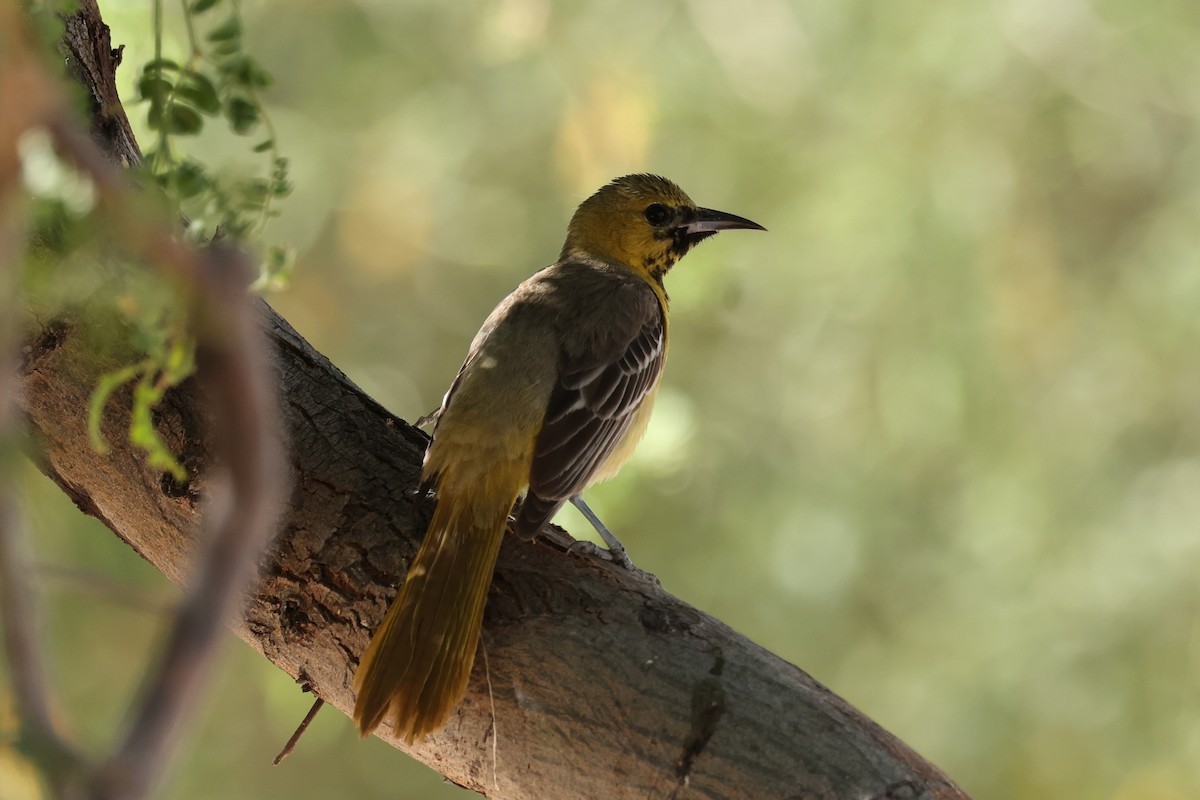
{"x": 568, "y": 313}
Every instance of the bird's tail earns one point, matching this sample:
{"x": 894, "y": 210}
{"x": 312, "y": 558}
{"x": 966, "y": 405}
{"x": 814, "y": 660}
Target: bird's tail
{"x": 416, "y": 668}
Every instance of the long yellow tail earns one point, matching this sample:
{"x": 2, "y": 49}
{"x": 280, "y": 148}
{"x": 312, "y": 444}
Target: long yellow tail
{"x": 416, "y": 668}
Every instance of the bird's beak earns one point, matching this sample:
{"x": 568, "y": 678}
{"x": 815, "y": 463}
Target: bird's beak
{"x": 708, "y": 221}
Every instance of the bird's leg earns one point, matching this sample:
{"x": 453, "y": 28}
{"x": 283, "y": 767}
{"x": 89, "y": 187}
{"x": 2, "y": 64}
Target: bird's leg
{"x": 616, "y": 550}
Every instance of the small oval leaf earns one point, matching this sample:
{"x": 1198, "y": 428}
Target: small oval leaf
{"x": 189, "y": 180}
{"x": 245, "y": 71}
{"x": 154, "y": 87}
{"x": 198, "y": 90}
{"x": 159, "y": 64}
{"x": 227, "y": 31}
{"x": 182, "y": 120}
{"x": 242, "y": 114}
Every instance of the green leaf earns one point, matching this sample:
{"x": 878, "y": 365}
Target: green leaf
{"x": 180, "y": 361}
{"x": 263, "y": 147}
{"x": 232, "y": 47}
{"x": 142, "y": 433}
{"x": 182, "y": 120}
{"x": 108, "y": 383}
{"x": 235, "y": 226}
{"x": 154, "y": 118}
{"x": 253, "y": 193}
{"x": 198, "y": 90}
{"x": 153, "y": 87}
{"x": 227, "y": 31}
{"x": 189, "y": 180}
{"x": 276, "y": 269}
{"x": 277, "y": 257}
{"x": 157, "y": 65}
{"x": 148, "y": 334}
{"x": 242, "y": 114}
{"x": 245, "y": 71}
{"x": 200, "y": 6}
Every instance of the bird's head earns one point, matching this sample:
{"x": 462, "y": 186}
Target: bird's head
{"x": 644, "y": 222}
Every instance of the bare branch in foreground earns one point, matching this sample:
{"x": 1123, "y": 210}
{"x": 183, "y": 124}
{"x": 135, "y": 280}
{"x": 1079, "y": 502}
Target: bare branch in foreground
{"x": 234, "y": 374}
{"x": 22, "y": 84}
{"x": 232, "y": 370}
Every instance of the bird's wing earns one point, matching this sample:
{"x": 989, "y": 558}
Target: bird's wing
{"x": 599, "y": 388}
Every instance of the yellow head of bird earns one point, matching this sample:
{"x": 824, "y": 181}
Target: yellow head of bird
{"x": 643, "y": 222}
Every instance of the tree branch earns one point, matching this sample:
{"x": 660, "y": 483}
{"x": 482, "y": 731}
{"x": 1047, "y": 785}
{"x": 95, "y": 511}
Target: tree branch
{"x": 602, "y": 684}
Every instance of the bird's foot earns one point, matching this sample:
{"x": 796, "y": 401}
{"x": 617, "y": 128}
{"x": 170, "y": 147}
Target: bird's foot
{"x": 616, "y": 551}
{"x": 615, "y": 555}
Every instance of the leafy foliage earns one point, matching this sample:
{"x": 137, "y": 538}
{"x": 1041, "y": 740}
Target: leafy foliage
{"x": 219, "y": 79}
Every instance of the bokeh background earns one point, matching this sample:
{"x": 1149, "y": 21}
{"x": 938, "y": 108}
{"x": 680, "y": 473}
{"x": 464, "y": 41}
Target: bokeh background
{"x": 935, "y": 437}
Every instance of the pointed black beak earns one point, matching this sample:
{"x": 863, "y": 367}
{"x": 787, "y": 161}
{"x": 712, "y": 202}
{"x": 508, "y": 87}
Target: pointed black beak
{"x": 708, "y": 221}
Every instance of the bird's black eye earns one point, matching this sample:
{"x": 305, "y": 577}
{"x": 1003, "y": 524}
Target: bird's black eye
{"x": 657, "y": 214}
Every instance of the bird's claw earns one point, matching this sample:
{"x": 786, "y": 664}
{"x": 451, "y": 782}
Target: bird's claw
{"x": 618, "y": 557}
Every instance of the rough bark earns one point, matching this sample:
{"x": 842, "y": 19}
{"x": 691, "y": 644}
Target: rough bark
{"x": 602, "y": 685}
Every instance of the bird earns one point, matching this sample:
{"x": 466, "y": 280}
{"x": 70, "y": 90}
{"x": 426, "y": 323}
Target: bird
{"x": 554, "y": 395}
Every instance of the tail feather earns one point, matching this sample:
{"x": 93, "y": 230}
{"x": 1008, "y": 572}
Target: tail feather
{"x": 416, "y": 668}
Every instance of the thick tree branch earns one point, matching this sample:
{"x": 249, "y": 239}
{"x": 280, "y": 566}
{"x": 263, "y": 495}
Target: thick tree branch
{"x": 601, "y": 684}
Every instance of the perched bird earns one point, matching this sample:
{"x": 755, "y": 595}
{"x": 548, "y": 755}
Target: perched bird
{"x": 553, "y": 397}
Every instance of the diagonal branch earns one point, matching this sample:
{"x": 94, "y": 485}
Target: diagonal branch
{"x": 670, "y": 702}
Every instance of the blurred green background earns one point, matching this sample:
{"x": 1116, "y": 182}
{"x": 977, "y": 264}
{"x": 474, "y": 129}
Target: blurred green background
{"x": 935, "y": 437}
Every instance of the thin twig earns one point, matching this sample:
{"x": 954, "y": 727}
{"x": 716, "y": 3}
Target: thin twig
{"x": 300, "y": 729}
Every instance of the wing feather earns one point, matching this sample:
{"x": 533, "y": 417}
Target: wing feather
{"x": 590, "y": 410}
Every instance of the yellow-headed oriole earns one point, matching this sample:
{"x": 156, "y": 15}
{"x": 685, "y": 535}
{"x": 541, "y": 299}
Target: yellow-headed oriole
{"x": 554, "y": 395}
